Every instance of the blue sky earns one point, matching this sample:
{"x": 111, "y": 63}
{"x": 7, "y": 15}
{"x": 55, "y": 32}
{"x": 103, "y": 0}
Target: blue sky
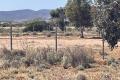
{"x": 7, "y": 5}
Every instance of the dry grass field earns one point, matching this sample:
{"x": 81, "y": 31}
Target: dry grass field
{"x": 99, "y": 71}
{"x": 45, "y": 42}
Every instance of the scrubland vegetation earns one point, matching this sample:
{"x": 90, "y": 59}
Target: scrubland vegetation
{"x": 72, "y": 63}
{"x": 86, "y": 44}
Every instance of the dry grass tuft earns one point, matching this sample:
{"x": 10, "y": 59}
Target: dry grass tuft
{"x": 77, "y": 56}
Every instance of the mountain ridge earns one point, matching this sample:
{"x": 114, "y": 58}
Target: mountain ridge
{"x": 24, "y": 15}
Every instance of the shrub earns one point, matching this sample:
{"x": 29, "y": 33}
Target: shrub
{"x": 80, "y": 67}
{"x": 80, "y": 77}
{"x": 36, "y": 26}
{"x": 51, "y": 58}
{"x": 44, "y": 57}
{"x": 113, "y": 63}
{"x": 14, "y": 55}
{"x": 12, "y": 59}
{"x": 80, "y": 56}
{"x": 110, "y": 61}
{"x": 5, "y": 54}
{"x": 6, "y": 65}
{"x": 69, "y": 34}
{"x": 15, "y": 64}
{"x": 29, "y": 62}
{"x": 65, "y": 62}
{"x": 106, "y": 77}
{"x": 19, "y": 53}
{"x": 49, "y": 35}
{"x": 42, "y": 66}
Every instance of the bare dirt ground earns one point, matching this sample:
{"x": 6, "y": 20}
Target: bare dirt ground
{"x": 57, "y": 72}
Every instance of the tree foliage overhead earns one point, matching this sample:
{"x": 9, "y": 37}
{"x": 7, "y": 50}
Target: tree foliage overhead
{"x": 78, "y": 12}
{"x": 109, "y": 20}
{"x": 105, "y": 2}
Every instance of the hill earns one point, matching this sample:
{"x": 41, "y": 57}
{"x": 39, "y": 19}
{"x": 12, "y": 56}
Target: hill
{"x": 24, "y": 15}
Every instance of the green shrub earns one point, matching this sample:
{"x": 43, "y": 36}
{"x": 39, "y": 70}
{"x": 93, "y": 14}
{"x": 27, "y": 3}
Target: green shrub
{"x": 36, "y": 26}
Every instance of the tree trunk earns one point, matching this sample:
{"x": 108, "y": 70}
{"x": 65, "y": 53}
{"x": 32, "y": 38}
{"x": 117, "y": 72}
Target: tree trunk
{"x": 82, "y": 32}
{"x": 103, "y": 50}
{"x": 99, "y": 34}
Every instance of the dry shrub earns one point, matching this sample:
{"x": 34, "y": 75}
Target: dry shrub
{"x": 69, "y": 34}
{"x": 106, "y": 77}
{"x": 18, "y": 54}
{"x": 78, "y": 56}
{"x": 5, "y": 53}
{"x": 12, "y": 59}
{"x": 15, "y": 64}
{"x": 113, "y": 63}
{"x": 44, "y": 57}
{"x": 6, "y": 65}
{"x": 80, "y": 77}
{"x": 80, "y": 67}
{"x": 14, "y": 55}
{"x": 34, "y": 57}
{"x": 65, "y": 62}
{"x": 51, "y": 58}
{"x": 48, "y": 34}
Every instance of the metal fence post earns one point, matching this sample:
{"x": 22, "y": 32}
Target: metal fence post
{"x": 11, "y": 40}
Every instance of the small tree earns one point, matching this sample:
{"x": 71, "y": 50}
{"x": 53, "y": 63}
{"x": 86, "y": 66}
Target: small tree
{"x": 59, "y": 14}
{"x": 112, "y": 28}
{"x": 78, "y": 12}
{"x": 112, "y": 34}
{"x": 108, "y": 20}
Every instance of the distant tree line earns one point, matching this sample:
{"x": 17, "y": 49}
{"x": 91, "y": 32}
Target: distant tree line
{"x": 37, "y": 26}
{"x": 79, "y": 13}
